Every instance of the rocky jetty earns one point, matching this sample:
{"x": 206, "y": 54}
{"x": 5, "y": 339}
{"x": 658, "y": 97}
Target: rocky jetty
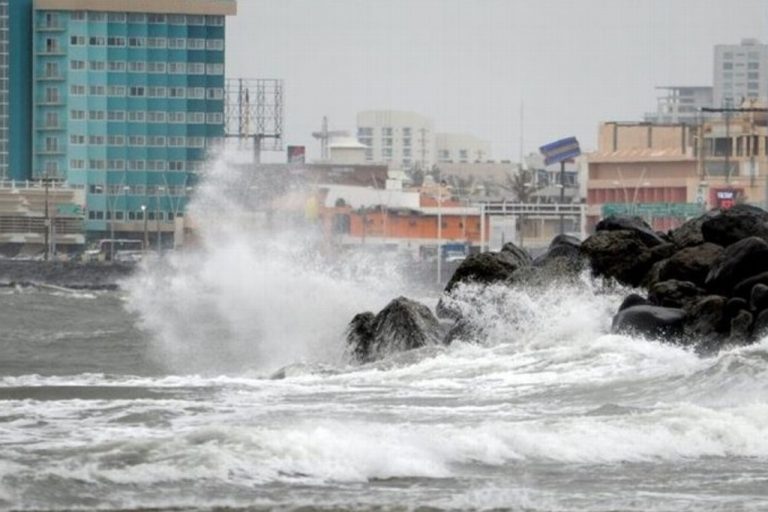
{"x": 73, "y": 275}
{"x": 704, "y": 284}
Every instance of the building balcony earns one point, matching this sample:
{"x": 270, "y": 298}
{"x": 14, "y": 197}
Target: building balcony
{"x": 50, "y": 53}
{"x": 51, "y": 27}
{"x": 50, "y": 152}
{"x": 58, "y": 128}
{"x": 51, "y": 78}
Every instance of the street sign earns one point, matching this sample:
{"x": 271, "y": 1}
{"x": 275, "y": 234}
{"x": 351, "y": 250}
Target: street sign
{"x": 561, "y": 150}
{"x": 675, "y": 210}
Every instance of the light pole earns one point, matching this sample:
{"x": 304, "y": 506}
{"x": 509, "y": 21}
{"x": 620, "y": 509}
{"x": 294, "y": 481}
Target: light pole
{"x": 439, "y": 227}
{"x": 146, "y": 236}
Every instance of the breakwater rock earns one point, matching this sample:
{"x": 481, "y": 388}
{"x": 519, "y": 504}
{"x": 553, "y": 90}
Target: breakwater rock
{"x": 704, "y": 284}
{"x": 73, "y": 275}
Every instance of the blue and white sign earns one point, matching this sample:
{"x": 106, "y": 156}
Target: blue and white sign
{"x": 558, "y": 151}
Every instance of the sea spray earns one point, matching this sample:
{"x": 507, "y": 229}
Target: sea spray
{"x": 248, "y": 297}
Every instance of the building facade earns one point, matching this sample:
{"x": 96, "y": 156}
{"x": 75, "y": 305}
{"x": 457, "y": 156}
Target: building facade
{"x": 740, "y": 72}
{"x": 681, "y": 104}
{"x": 461, "y": 148}
{"x": 404, "y": 140}
{"x": 128, "y": 97}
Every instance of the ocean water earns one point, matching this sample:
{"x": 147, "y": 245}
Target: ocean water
{"x": 218, "y": 379}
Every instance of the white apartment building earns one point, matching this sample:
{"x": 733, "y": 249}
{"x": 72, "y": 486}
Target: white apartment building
{"x": 461, "y": 148}
{"x": 404, "y": 140}
{"x": 681, "y": 104}
{"x": 741, "y": 72}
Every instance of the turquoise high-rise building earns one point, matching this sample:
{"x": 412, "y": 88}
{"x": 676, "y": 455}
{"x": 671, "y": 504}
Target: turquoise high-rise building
{"x": 127, "y": 101}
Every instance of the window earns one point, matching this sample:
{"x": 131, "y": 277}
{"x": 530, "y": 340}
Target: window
{"x": 116, "y": 65}
{"x": 215, "y": 21}
{"x": 156, "y": 116}
{"x": 407, "y": 142}
{"x": 116, "y": 17}
{"x": 406, "y": 132}
{"x": 365, "y": 132}
{"x": 96, "y": 16}
{"x": 137, "y": 42}
{"x": 77, "y": 90}
{"x": 116, "y": 140}
{"x": 177, "y": 92}
{"x": 177, "y": 19}
{"x": 156, "y": 42}
{"x": 52, "y": 95}
{"x": 136, "y": 91}
{"x": 76, "y": 163}
{"x": 156, "y": 165}
{"x": 194, "y": 19}
{"x": 136, "y": 116}
{"x": 176, "y": 165}
{"x": 77, "y": 16}
{"x": 76, "y": 65}
{"x": 196, "y": 93}
{"x": 175, "y": 141}
{"x": 196, "y": 68}
{"x": 194, "y": 166}
{"x": 386, "y": 132}
{"x": 136, "y": 165}
{"x": 137, "y": 67}
{"x": 116, "y": 91}
{"x": 97, "y": 90}
{"x": 97, "y": 164}
{"x": 77, "y": 40}
{"x": 77, "y": 115}
{"x": 157, "y": 141}
{"x": 177, "y": 117}
{"x": 116, "y": 115}
{"x": 387, "y": 141}
{"x": 753, "y": 65}
{"x": 137, "y": 18}
{"x": 96, "y": 140}
{"x": 116, "y": 41}
{"x": 51, "y": 69}
{"x": 156, "y": 92}
{"x": 215, "y": 44}
{"x": 156, "y": 18}
{"x": 97, "y": 65}
{"x": 214, "y": 69}
{"x": 177, "y": 68}
{"x": 177, "y": 43}
{"x": 727, "y": 65}
{"x": 156, "y": 67}
{"x": 51, "y": 144}
{"x": 753, "y": 86}
{"x": 214, "y": 118}
{"x": 215, "y": 93}
{"x": 196, "y": 117}
{"x": 97, "y": 41}
{"x": 137, "y": 140}
{"x": 196, "y": 44}
{"x": 96, "y": 115}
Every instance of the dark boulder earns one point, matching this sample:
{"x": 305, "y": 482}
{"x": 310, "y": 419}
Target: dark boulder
{"x": 654, "y": 322}
{"x": 707, "y": 321}
{"x": 758, "y": 298}
{"x": 489, "y": 267}
{"x": 691, "y": 264}
{"x": 564, "y": 253}
{"x": 735, "y": 305}
{"x": 674, "y": 293}
{"x": 689, "y": 234}
{"x": 402, "y": 325}
{"x": 741, "y": 326}
{"x": 729, "y": 226}
{"x": 635, "y": 224}
{"x": 738, "y": 262}
{"x": 760, "y": 327}
{"x": 633, "y": 299}
{"x": 621, "y": 255}
{"x": 744, "y": 288}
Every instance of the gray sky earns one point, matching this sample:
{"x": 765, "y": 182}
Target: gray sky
{"x": 468, "y": 64}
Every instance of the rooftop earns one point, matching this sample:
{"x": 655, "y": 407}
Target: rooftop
{"x": 207, "y": 7}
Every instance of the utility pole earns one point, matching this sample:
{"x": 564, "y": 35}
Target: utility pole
{"x": 47, "y": 222}
{"x": 562, "y": 196}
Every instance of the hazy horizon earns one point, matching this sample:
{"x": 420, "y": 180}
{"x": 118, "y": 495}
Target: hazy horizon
{"x": 470, "y": 65}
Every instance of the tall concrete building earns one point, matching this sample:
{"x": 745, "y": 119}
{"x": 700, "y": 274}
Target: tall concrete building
{"x": 740, "y": 72}
{"x": 127, "y": 98}
{"x": 15, "y": 89}
{"x": 404, "y": 140}
{"x": 681, "y": 104}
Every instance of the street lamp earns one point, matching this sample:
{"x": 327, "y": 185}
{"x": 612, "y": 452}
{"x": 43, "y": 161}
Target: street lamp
{"x": 144, "y": 216}
{"x": 159, "y": 240}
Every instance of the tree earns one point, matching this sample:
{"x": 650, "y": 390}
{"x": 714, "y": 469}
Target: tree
{"x": 521, "y": 184}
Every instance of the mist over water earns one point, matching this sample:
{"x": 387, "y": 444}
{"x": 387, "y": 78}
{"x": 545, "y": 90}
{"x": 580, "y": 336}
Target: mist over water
{"x": 176, "y": 403}
{"x": 251, "y": 298}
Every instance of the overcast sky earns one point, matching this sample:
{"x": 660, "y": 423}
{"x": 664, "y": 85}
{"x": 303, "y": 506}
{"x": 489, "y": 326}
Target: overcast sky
{"x": 469, "y": 64}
